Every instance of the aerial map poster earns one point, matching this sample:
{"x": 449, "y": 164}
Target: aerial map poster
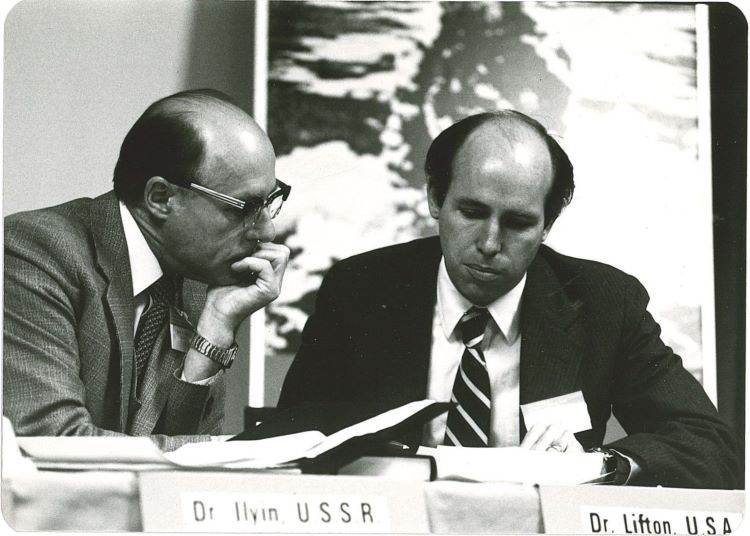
{"x": 357, "y": 90}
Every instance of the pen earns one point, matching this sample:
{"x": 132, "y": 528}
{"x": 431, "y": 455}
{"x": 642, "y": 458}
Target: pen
{"x": 395, "y": 445}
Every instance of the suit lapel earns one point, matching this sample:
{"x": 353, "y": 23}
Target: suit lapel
{"x": 406, "y": 314}
{"x": 114, "y": 265}
{"x": 415, "y": 306}
{"x": 551, "y": 328}
{"x": 551, "y": 335}
{"x": 113, "y": 261}
{"x": 162, "y": 363}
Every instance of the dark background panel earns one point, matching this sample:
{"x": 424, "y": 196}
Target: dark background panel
{"x": 728, "y": 44}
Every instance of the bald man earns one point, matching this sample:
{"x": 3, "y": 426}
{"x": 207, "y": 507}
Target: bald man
{"x": 487, "y": 317}
{"x": 121, "y": 311}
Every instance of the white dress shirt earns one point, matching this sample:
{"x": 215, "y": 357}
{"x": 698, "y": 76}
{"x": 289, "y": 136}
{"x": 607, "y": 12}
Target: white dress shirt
{"x": 502, "y": 352}
{"x": 145, "y": 270}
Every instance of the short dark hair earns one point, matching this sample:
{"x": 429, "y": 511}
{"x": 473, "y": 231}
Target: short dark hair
{"x": 442, "y": 152}
{"x": 164, "y": 141}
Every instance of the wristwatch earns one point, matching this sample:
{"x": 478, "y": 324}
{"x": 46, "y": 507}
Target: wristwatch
{"x": 616, "y": 467}
{"x": 217, "y": 354}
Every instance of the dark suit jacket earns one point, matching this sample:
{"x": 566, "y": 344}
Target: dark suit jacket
{"x": 584, "y": 326}
{"x": 68, "y": 334}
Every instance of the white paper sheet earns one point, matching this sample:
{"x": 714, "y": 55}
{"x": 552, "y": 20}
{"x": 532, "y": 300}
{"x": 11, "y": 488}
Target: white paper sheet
{"x": 99, "y": 449}
{"x": 379, "y": 422}
{"x": 514, "y": 464}
{"x": 246, "y": 454}
{"x": 567, "y": 411}
{"x": 274, "y": 452}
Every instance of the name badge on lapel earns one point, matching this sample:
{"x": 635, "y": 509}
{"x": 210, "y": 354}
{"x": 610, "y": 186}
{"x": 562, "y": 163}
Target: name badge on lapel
{"x": 180, "y": 330}
{"x": 568, "y": 411}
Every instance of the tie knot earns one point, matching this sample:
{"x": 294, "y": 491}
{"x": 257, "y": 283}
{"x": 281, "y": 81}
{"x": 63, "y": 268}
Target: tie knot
{"x": 473, "y": 324}
{"x": 163, "y": 291}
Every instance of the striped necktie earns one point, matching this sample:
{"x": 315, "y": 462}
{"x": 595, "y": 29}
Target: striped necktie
{"x": 151, "y": 323}
{"x": 468, "y": 422}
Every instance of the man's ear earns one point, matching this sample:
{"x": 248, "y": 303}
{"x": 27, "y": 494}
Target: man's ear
{"x": 156, "y": 196}
{"x": 432, "y": 202}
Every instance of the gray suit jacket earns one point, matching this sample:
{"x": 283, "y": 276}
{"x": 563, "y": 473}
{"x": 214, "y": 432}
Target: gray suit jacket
{"x": 68, "y": 334}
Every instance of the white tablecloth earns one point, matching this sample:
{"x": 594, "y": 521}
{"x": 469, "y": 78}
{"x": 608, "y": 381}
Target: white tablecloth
{"x": 109, "y": 500}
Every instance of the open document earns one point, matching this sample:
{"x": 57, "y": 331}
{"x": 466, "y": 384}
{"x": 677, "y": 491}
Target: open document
{"x": 277, "y": 452}
{"x": 514, "y": 464}
{"x": 308, "y": 447}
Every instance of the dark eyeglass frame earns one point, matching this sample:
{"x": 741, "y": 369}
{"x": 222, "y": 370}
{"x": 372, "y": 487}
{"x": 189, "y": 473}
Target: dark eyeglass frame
{"x": 251, "y": 210}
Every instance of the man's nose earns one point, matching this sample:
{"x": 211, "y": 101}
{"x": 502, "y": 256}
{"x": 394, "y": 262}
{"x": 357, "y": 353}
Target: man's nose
{"x": 262, "y": 230}
{"x": 489, "y": 241}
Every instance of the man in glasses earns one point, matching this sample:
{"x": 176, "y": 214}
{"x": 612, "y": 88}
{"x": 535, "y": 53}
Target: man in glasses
{"x": 487, "y": 317}
{"x": 121, "y": 311}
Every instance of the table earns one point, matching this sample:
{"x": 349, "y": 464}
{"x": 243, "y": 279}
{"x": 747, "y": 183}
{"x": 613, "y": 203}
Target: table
{"x": 110, "y": 500}
{"x": 76, "y": 501}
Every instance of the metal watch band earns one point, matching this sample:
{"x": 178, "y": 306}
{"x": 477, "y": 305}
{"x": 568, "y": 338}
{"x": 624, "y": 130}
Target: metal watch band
{"x": 616, "y": 467}
{"x": 217, "y": 354}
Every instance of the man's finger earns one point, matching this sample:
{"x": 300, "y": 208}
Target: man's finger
{"x": 551, "y": 436}
{"x": 534, "y": 433}
{"x": 252, "y": 264}
{"x": 571, "y": 444}
{"x": 276, "y": 254}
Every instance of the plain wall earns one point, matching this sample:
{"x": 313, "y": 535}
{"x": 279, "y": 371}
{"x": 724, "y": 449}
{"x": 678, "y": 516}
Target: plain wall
{"x": 78, "y": 73}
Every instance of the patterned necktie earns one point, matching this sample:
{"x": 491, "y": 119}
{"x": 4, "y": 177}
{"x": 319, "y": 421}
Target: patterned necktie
{"x": 469, "y": 418}
{"x": 151, "y": 323}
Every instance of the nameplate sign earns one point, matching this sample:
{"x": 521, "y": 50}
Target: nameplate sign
{"x": 251, "y": 502}
{"x": 632, "y": 510}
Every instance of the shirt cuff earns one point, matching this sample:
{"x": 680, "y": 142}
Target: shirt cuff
{"x": 205, "y": 381}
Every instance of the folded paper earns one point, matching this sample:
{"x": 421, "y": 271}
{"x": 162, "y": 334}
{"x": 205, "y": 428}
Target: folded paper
{"x": 567, "y": 411}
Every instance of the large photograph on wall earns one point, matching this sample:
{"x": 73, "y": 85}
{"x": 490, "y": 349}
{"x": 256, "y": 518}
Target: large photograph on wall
{"x": 357, "y": 90}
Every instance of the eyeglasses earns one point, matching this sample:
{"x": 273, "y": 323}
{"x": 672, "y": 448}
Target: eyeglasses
{"x": 251, "y": 209}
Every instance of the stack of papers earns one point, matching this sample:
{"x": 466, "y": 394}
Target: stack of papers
{"x": 514, "y": 464}
{"x": 140, "y": 453}
{"x": 272, "y": 452}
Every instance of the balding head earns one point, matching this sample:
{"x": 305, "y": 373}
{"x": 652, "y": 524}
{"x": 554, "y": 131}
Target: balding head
{"x": 512, "y": 131}
{"x": 176, "y": 136}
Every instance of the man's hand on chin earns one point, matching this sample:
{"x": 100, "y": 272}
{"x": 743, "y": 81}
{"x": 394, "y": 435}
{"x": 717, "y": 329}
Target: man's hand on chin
{"x": 227, "y": 306}
{"x": 264, "y": 272}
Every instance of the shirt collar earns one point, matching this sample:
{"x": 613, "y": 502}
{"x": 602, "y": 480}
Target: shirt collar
{"x": 452, "y": 305}
{"x": 145, "y": 269}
